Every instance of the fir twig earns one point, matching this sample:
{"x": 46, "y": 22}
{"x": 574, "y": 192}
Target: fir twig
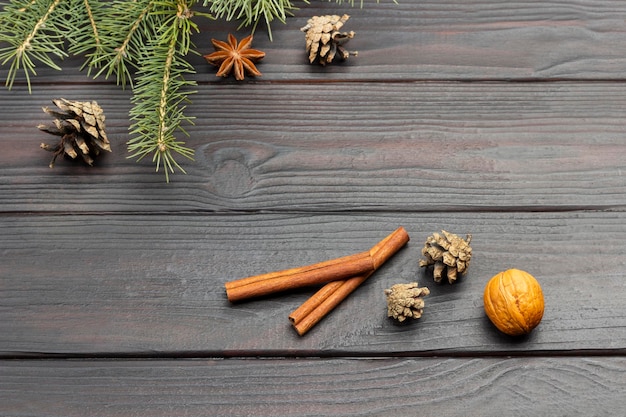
{"x": 86, "y": 38}
{"x": 161, "y": 85}
{"x": 125, "y": 30}
{"x": 33, "y": 32}
{"x": 250, "y": 12}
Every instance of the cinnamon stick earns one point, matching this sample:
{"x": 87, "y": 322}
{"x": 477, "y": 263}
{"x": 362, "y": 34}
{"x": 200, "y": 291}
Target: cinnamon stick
{"x": 314, "y": 301}
{"x": 332, "y": 294}
{"x": 320, "y": 273}
{"x": 323, "y": 302}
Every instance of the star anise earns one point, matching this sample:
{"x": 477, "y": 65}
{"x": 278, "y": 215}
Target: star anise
{"x": 234, "y": 57}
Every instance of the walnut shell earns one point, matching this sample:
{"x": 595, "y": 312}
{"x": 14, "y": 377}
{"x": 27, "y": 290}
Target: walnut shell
{"x": 513, "y": 302}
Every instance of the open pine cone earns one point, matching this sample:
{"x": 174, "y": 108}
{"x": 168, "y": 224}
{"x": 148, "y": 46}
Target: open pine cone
{"x": 324, "y": 41}
{"x": 81, "y": 128}
{"x": 448, "y": 253}
{"x": 405, "y": 301}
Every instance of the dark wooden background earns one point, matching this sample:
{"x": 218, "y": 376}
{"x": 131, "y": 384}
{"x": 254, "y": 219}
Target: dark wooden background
{"x": 500, "y": 119}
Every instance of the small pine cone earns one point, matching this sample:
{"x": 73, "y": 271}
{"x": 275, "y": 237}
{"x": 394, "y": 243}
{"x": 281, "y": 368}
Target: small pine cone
{"x": 447, "y": 252}
{"x": 81, "y": 128}
{"x": 324, "y": 41}
{"x": 405, "y": 301}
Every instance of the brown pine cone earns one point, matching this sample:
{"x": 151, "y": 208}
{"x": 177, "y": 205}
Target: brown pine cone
{"x": 81, "y": 128}
{"x": 324, "y": 41}
{"x": 405, "y": 301}
{"x": 448, "y": 253}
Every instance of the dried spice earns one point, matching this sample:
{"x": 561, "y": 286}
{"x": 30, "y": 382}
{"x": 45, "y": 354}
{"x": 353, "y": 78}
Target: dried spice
{"x": 341, "y": 277}
{"x": 513, "y": 301}
{"x": 235, "y": 57}
{"x": 405, "y": 301}
{"x": 324, "y": 41}
{"x": 332, "y": 294}
{"x": 447, "y": 253}
{"x": 358, "y": 264}
{"x": 80, "y": 124}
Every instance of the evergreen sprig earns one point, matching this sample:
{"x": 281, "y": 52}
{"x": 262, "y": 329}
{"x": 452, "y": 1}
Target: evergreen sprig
{"x": 161, "y": 89}
{"x": 143, "y": 43}
{"x": 126, "y": 30}
{"x": 85, "y": 38}
{"x": 34, "y": 32}
{"x": 251, "y": 12}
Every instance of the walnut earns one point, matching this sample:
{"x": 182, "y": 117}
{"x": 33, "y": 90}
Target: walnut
{"x": 513, "y": 301}
{"x": 447, "y": 252}
{"x": 405, "y": 301}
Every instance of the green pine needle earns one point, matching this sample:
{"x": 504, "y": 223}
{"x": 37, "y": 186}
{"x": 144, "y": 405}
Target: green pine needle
{"x": 33, "y": 32}
{"x": 161, "y": 90}
{"x": 251, "y": 12}
{"x": 125, "y": 30}
{"x": 86, "y": 37}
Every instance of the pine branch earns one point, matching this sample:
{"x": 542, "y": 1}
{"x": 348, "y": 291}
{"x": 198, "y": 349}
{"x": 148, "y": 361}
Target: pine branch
{"x": 251, "y": 12}
{"x": 86, "y": 39}
{"x": 125, "y": 29}
{"x": 161, "y": 85}
{"x": 33, "y": 32}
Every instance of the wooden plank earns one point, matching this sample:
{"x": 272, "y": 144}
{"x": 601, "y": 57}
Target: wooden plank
{"x": 346, "y": 146}
{"x": 430, "y": 40}
{"x": 383, "y": 387}
{"x": 146, "y": 285}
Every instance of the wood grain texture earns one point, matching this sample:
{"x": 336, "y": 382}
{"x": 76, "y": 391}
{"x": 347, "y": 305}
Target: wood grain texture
{"x": 382, "y": 387}
{"x": 131, "y": 284}
{"x": 346, "y": 146}
{"x": 500, "y": 119}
